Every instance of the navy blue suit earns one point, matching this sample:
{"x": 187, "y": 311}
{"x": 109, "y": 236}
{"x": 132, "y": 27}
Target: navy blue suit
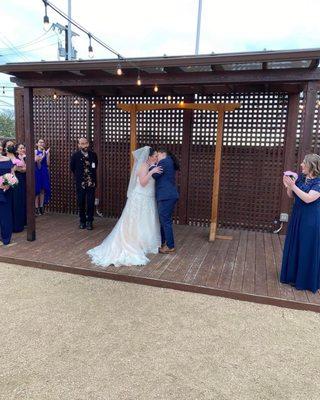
{"x": 167, "y": 196}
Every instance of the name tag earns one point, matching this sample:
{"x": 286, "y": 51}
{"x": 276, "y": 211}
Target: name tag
{"x": 93, "y": 165}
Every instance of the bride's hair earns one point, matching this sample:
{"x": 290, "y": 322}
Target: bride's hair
{"x": 175, "y": 160}
{"x": 151, "y": 152}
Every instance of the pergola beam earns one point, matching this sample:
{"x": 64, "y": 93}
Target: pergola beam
{"x": 187, "y": 78}
{"x": 175, "y": 61}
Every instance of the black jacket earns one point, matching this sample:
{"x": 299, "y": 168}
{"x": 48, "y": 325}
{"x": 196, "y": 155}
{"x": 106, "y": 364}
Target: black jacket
{"x": 77, "y": 166}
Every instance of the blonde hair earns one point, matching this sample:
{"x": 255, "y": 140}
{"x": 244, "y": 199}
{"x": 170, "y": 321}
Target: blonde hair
{"x": 312, "y": 162}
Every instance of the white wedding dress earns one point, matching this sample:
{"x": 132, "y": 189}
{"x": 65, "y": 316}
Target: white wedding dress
{"x": 137, "y": 232}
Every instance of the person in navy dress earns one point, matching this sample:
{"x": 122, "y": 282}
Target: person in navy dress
{"x": 301, "y": 255}
{"x": 18, "y": 193}
{"x": 167, "y": 196}
{"x": 42, "y": 177}
{"x": 6, "y": 225}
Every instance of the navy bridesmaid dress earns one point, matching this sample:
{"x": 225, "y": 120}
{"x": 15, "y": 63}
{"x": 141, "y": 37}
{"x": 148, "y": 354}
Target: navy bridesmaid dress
{"x": 301, "y": 255}
{"x": 42, "y": 178}
{"x": 19, "y": 207}
{"x": 6, "y": 206}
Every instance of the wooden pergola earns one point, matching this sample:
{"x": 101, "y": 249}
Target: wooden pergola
{"x": 292, "y": 72}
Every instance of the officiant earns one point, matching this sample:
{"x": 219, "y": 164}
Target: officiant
{"x": 83, "y": 165}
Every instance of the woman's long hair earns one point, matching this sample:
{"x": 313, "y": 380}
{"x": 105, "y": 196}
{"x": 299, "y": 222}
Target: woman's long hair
{"x": 175, "y": 160}
{"x": 312, "y": 162}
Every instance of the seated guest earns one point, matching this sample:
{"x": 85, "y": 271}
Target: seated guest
{"x": 301, "y": 255}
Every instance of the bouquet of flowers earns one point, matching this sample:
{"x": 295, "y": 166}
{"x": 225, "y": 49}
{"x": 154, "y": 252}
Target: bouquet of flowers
{"x": 292, "y": 175}
{"x": 9, "y": 180}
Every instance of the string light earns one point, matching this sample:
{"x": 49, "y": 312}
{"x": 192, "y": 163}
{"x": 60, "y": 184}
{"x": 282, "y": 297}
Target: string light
{"x": 90, "y": 49}
{"x": 45, "y": 18}
{"x": 119, "y": 70}
{"x": 169, "y": 97}
{"x": 156, "y": 89}
{"x": 55, "y": 96}
{"x": 181, "y": 103}
{"x": 76, "y": 102}
{"x": 93, "y": 105}
{"x": 84, "y": 30}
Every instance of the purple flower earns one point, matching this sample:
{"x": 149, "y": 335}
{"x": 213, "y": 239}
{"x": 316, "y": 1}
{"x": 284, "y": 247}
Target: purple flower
{"x": 293, "y": 175}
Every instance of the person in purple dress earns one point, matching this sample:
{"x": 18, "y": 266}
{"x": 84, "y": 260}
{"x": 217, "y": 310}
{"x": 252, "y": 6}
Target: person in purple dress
{"x": 42, "y": 177}
{"x": 301, "y": 254}
{"x": 6, "y": 225}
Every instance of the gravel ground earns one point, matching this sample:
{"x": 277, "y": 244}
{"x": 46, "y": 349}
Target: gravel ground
{"x": 72, "y": 337}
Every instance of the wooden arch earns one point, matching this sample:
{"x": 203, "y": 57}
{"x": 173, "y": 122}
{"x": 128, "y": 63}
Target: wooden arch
{"x": 220, "y": 108}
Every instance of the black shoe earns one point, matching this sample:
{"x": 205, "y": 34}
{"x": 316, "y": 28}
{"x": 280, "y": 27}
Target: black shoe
{"x": 82, "y": 225}
{"x": 89, "y": 226}
{"x": 41, "y": 210}
{"x": 37, "y": 211}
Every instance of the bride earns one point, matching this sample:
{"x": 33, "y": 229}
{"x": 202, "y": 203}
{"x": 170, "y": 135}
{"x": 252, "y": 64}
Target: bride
{"x": 137, "y": 232}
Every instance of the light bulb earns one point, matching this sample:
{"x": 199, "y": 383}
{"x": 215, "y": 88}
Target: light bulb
{"x": 55, "y": 96}
{"x": 169, "y": 97}
{"x": 139, "y": 81}
{"x": 119, "y": 70}
{"x": 156, "y": 89}
{"x": 181, "y": 103}
{"x": 93, "y": 105}
{"x": 90, "y": 51}
{"x": 46, "y": 22}
{"x": 76, "y": 102}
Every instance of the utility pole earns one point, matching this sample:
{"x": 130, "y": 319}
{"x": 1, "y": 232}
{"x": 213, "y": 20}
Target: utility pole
{"x": 69, "y": 47}
{"x": 68, "y": 52}
{"x": 198, "y": 27}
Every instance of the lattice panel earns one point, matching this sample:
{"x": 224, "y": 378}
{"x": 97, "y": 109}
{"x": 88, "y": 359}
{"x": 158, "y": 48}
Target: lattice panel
{"x": 253, "y": 152}
{"x": 60, "y": 122}
{"x": 316, "y": 127}
{"x": 252, "y": 161}
{"x": 116, "y": 161}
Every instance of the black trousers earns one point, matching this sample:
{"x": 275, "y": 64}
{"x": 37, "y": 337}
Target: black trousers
{"x": 85, "y": 199}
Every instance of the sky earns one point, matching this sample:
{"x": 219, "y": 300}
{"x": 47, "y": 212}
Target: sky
{"x": 154, "y": 28}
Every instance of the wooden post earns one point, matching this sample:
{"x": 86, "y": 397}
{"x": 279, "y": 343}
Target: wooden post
{"x": 133, "y": 132}
{"x": 290, "y": 147}
{"x": 307, "y": 122}
{"x": 216, "y": 178}
{"x": 185, "y": 160}
{"x": 29, "y": 132}
{"x": 97, "y": 145}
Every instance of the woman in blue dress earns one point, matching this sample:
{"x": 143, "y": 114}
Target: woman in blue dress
{"x": 18, "y": 195}
{"x": 301, "y": 255}
{"x": 42, "y": 177}
{"x": 6, "y": 226}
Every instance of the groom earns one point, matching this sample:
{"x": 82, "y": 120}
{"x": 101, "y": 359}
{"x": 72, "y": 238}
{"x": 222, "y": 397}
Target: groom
{"x": 167, "y": 196}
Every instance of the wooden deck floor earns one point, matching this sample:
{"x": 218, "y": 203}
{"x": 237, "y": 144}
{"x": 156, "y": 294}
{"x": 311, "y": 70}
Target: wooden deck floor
{"x": 245, "y": 268}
